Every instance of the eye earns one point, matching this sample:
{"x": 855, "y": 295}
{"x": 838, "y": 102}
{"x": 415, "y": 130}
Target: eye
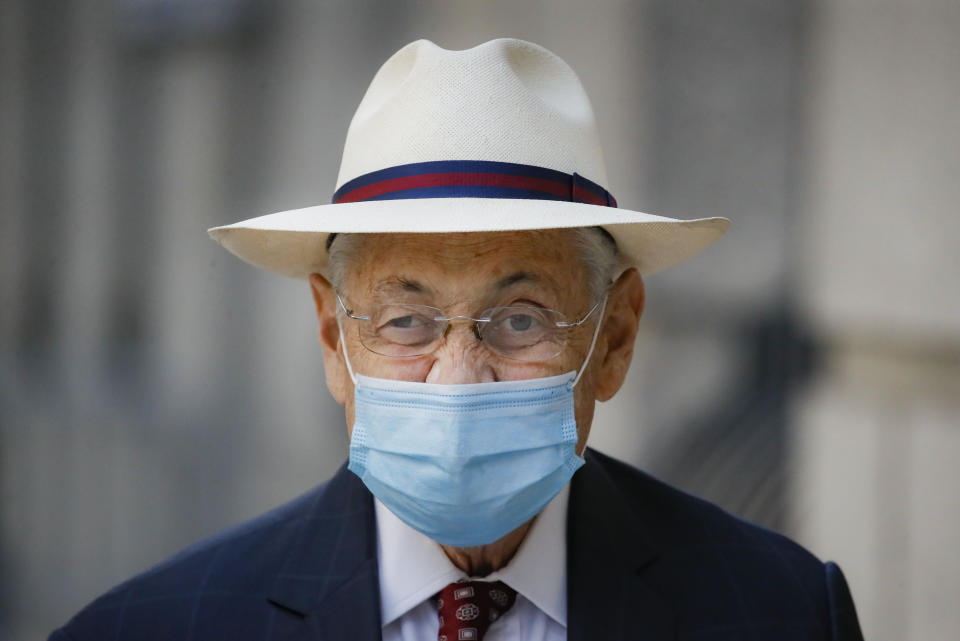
{"x": 399, "y": 324}
{"x": 520, "y": 322}
{"x": 405, "y": 325}
{"x": 404, "y": 322}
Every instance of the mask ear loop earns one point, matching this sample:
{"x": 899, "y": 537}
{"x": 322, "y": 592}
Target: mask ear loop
{"x": 343, "y": 347}
{"x": 593, "y": 343}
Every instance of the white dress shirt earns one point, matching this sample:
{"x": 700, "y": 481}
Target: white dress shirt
{"x": 413, "y": 568}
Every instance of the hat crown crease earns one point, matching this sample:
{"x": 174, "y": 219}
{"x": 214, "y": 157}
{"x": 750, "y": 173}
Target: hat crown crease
{"x": 505, "y": 100}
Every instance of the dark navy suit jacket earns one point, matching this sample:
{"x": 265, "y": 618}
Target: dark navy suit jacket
{"x": 645, "y": 561}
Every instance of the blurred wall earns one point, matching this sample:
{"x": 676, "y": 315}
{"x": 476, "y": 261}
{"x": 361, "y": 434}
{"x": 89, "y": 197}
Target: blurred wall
{"x": 802, "y": 373}
{"x": 876, "y": 437}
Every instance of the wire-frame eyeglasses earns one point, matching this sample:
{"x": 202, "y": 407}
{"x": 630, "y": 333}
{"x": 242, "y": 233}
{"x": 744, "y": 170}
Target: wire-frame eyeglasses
{"x": 522, "y": 333}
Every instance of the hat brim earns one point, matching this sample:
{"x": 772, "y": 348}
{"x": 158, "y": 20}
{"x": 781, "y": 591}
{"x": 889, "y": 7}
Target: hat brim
{"x": 293, "y": 243}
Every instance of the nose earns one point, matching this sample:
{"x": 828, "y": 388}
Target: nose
{"x": 461, "y": 359}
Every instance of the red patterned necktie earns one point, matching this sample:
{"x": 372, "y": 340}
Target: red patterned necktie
{"x": 467, "y": 608}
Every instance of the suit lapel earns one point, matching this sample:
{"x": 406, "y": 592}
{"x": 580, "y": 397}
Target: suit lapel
{"x": 330, "y": 574}
{"x": 607, "y": 556}
{"x": 346, "y": 612}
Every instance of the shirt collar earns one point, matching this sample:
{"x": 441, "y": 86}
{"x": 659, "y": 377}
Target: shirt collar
{"x": 413, "y": 567}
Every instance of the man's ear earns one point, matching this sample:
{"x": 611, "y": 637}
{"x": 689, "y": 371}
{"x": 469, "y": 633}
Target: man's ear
{"x": 622, "y": 318}
{"x": 325, "y": 301}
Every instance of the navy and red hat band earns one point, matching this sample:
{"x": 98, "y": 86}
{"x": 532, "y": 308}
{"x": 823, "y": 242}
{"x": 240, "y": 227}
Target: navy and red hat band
{"x": 473, "y": 179}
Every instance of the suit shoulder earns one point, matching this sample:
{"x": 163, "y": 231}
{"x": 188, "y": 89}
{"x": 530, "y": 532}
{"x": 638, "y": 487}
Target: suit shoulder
{"x": 231, "y": 567}
{"x": 705, "y": 555}
{"x": 683, "y": 526}
{"x": 681, "y": 519}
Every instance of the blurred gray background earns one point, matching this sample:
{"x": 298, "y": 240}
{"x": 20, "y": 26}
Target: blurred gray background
{"x": 804, "y": 372}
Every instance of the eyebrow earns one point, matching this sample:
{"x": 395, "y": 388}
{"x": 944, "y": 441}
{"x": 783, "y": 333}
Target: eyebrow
{"x": 516, "y": 277}
{"x": 400, "y": 284}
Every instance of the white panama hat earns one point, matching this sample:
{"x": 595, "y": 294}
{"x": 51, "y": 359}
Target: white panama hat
{"x": 499, "y": 137}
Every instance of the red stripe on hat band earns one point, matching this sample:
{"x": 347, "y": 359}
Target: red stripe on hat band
{"x": 445, "y": 179}
{"x": 580, "y": 194}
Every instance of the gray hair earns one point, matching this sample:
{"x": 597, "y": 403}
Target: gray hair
{"x": 597, "y": 250}
{"x": 603, "y": 260}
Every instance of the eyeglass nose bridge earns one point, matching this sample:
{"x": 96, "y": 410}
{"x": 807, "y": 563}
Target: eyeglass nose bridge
{"x": 447, "y": 320}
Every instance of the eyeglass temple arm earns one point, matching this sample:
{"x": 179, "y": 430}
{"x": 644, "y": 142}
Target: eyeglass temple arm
{"x": 584, "y": 319}
{"x": 347, "y": 311}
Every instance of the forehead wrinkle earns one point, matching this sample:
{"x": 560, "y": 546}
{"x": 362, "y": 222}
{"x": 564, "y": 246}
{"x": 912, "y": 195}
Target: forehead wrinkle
{"x": 468, "y": 267}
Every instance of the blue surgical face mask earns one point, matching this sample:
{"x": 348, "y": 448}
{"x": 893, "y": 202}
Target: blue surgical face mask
{"x": 465, "y": 464}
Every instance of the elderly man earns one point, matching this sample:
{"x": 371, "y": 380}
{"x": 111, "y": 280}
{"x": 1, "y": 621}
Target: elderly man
{"x": 477, "y": 292}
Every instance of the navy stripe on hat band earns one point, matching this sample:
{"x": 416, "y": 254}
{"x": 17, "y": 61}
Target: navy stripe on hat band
{"x": 473, "y": 179}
